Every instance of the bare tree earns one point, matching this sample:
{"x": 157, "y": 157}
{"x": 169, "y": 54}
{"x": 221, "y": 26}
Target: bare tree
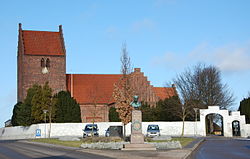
{"x": 202, "y": 87}
{"x": 95, "y": 98}
{"x": 123, "y": 91}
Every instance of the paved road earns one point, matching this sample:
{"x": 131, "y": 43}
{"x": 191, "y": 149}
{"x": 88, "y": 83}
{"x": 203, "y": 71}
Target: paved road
{"x": 223, "y": 148}
{"x": 23, "y": 150}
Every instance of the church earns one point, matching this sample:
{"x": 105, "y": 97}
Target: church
{"x": 41, "y": 58}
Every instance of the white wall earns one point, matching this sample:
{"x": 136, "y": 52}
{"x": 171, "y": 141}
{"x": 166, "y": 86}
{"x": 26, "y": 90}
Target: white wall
{"x": 18, "y": 132}
{"x": 167, "y": 128}
{"x": 245, "y": 130}
{"x": 75, "y": 129}
{"x": 227, "y": 120}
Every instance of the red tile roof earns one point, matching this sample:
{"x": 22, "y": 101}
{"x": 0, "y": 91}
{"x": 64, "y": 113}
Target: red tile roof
{"x": 165, "y": 92}
{"x": 98, "y": 88}
{"x": 92, "y": 88}
{"x": 42, "y": 43}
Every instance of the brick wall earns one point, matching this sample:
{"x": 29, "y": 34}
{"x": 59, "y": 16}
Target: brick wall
{"x": 31, "y": 73}
{"x": 98, "y": 113}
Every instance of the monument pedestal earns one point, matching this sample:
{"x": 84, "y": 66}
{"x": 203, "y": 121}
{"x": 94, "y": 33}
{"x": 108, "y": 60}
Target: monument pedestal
{"x": 137, "y": 138}
{"x": 128, "y": 147}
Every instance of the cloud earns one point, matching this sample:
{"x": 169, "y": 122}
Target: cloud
{"x": 232, "y": 59}
{"x": 145, "y": 24}
{"x": 229, "y": 58}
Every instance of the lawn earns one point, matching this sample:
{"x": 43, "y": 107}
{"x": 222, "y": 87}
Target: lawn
{"x": 183, "y": 140}
{"x": 59, "y": 142}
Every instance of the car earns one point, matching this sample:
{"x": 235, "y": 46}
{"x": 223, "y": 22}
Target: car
{"x": 153, "y": 130}
{"x": 90, "y": 130}
{"x": 107, "y": 133}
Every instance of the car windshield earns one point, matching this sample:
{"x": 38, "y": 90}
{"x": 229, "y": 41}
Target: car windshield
{"x": 91, "y": 127}
{"x": 153, "y": 127}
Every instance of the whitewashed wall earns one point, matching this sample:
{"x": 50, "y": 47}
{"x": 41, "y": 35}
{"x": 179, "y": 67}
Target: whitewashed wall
{"x": 245, "y": 130}
{"x": 75, "y": 129}
{"x": 167, "y": 128}
{"x": 227, "y": 120}
{"x": 18, "y": 132}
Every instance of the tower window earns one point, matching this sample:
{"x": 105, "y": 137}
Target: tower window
{"x": 47, "y": 63}
{"x": 42, "y": 63}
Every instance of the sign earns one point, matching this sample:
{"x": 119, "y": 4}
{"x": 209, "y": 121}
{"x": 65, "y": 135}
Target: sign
{"x": 38, "y": 132}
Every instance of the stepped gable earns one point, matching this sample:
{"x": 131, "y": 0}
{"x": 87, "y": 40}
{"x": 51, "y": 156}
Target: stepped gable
{"x": 98, "y": 88}
{"x": 43, "y": 43}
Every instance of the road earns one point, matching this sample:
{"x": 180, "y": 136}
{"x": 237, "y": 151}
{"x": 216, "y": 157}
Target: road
{"x": 223, "y": 148}
{"x": 24, "y": 150}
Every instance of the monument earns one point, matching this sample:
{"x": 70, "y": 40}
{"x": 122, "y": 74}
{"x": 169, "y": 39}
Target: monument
{"x": 137, "y": 137}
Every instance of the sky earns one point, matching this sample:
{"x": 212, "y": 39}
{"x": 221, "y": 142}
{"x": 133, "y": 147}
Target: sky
{"x": 163, "y": 38}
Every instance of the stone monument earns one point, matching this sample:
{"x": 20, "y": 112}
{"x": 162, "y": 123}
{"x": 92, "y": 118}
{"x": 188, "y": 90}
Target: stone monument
{"x": 136, "y": 128}
{"x": 137, "y": 138}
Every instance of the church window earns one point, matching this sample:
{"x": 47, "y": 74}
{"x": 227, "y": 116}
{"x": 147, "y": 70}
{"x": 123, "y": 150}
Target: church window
{"x": 42, "y": 63}
{"x": 47, "y": 63}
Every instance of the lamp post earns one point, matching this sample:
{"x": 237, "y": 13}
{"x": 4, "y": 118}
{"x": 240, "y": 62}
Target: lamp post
{"x": 196, "y": 110}
{"x": 45, "y": 111}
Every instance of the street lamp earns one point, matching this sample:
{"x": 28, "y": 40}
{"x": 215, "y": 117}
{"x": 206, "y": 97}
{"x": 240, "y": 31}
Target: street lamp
{"x": 196, "y": 110}
{"x": 45, "y": 111}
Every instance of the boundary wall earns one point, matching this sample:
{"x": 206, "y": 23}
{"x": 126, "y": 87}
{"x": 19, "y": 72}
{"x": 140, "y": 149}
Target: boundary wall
{"x": 76, "y": 129}
{"x": 166, "y": 128}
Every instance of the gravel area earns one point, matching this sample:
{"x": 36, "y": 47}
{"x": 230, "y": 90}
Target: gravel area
{"x": 104, "y": 145}
{"x": 162, "y": 137}
{"x": 119, "y": 145}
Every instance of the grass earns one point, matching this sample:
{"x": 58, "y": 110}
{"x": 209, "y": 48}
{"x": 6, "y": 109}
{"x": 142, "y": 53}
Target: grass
{"x": 183, "y": 140}
{"x": 59, "y": 142}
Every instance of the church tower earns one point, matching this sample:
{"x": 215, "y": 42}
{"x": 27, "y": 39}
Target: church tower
{"x": 41, "y": 58}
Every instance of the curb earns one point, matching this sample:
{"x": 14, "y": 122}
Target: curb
{"x": 188, "y": 155}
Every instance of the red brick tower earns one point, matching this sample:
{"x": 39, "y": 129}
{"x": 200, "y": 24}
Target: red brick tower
{"x": 41, "y": 58}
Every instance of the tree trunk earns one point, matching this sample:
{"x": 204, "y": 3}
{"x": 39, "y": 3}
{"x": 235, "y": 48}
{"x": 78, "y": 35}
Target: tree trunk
{"x": 50, "y": 114}
{"x": 183, "y": 124}
{"x": 124, "y": 132}
{"x": 211, "y": 124}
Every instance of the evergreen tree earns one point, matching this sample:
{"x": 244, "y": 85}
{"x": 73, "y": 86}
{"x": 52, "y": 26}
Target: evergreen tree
{"x": 66, "y": 108}
{"x": 22, "y": 111}
{"x": 16, "y": 113}
{"x": 165, "y": 110}
{"x": 42, "y": 100}
{"x": 245, "y": 109}
{"x": 113, "y": 115}
{"x": 148, "y": 113}
{"x": 168, "y": 109}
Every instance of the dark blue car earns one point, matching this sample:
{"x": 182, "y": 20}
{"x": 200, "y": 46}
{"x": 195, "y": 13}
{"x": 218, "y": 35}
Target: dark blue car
{"x": 153, "y": 130}
{"x": 90, "y": 130}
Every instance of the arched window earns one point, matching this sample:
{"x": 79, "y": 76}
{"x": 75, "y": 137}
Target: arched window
{"x": 42, "y": 63}
{"x": 47, "y": 63}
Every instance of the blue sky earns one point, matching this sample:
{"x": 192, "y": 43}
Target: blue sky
{"x": 163, "y": 38}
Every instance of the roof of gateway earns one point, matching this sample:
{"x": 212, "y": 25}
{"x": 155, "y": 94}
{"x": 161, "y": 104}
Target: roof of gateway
{"x": 98, "y": 88}
{"x": 42, "y": 43}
